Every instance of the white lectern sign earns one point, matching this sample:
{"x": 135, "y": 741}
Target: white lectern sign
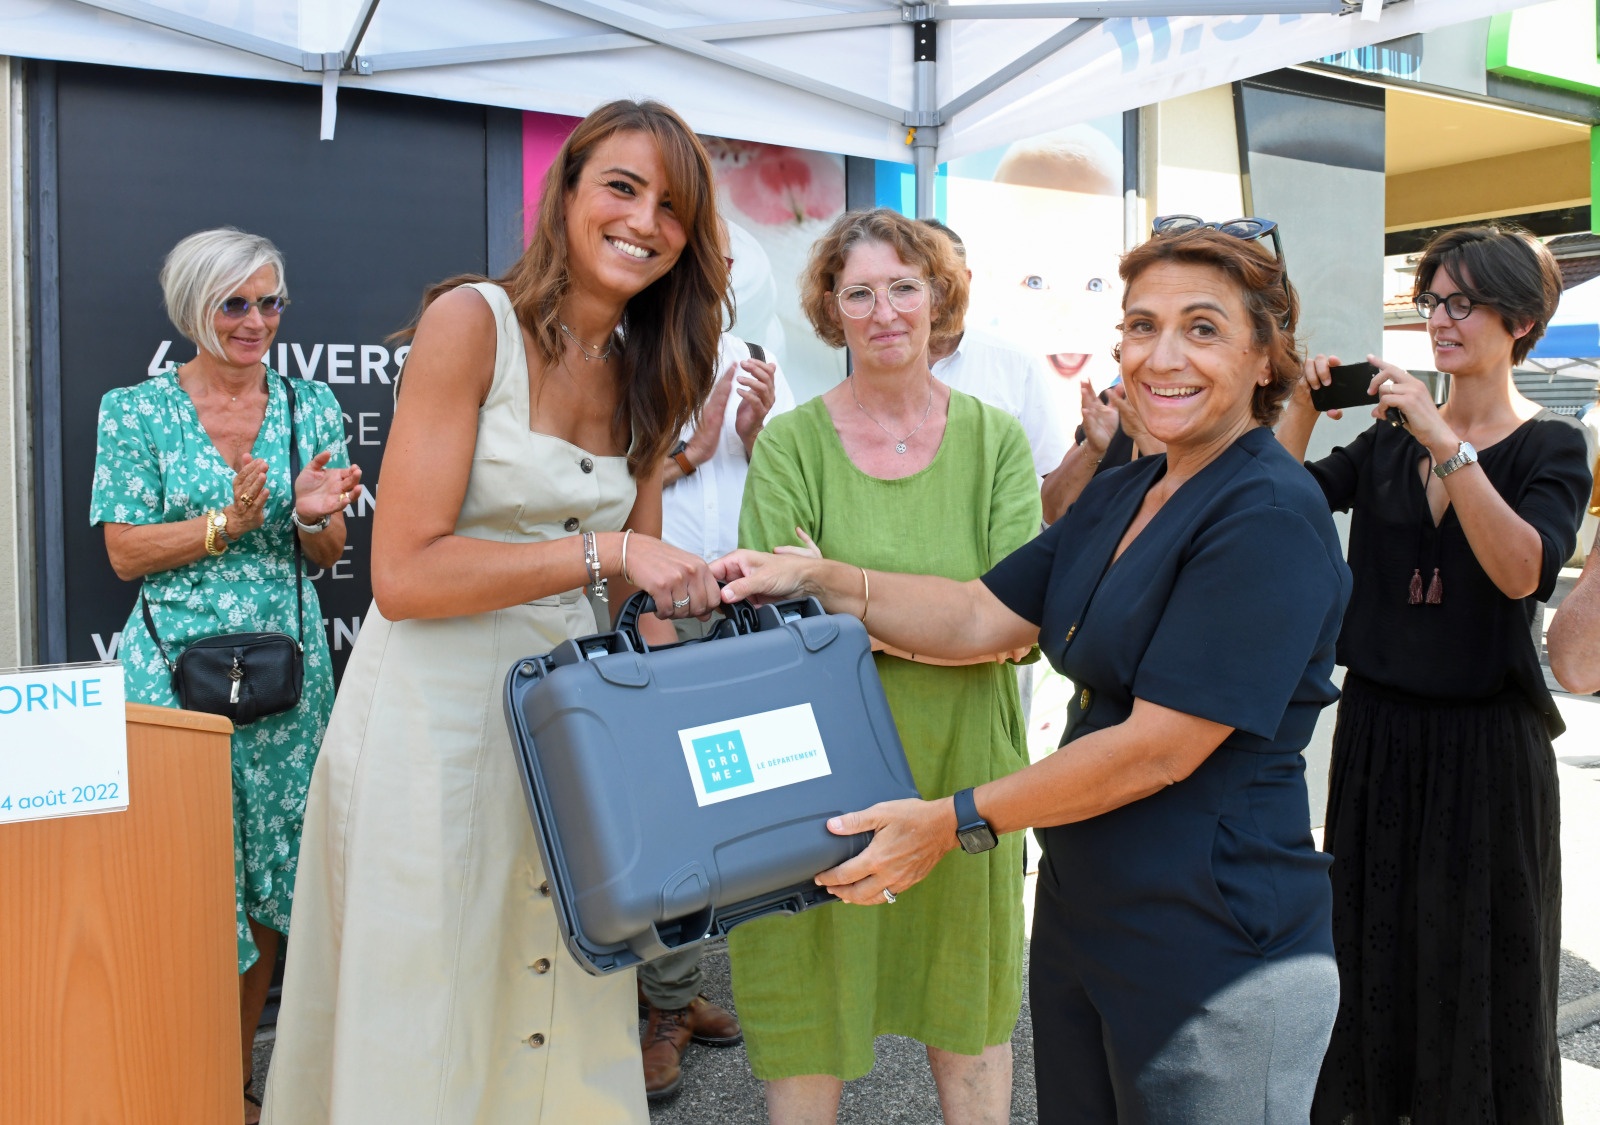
{"x": 63, "y": 741}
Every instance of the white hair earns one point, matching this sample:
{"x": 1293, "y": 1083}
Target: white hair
{"x": 207, "y": 267}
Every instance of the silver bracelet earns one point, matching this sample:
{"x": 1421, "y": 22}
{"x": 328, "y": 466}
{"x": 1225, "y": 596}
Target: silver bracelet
{"x": 309, "y": 528}
{"x": 591, "y": 561}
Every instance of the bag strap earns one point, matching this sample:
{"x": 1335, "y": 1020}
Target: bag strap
{"x": 294, "y": 534}
{"x": 150, "y": 626}
{"x": 299, "y": 601}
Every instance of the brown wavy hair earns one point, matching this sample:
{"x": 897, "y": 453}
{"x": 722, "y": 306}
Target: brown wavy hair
{"x": 1263, "y": 283}
{"x": 1502, "y": 266}
{"x": 916, "y": 244}
{"x": 670, "y": 329}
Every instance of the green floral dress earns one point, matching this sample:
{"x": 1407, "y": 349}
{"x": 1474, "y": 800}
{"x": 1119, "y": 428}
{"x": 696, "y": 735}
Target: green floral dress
{"x": 944, "y": 964}
{"x": 155, "y": 464}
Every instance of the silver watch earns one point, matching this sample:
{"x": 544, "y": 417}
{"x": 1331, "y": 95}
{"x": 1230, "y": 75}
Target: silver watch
{"x": 309, "y": 528}
{"x": 1465, "y": 455}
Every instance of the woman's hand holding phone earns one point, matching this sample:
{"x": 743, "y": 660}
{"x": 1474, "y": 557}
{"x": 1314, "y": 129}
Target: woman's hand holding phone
{"x": 1400, "y": 391}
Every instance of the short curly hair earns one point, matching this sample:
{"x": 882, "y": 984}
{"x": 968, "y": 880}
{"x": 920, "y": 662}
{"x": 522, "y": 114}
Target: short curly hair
{"x": 1263, "y": 282}
{"x": 1502, "y": 266}
{"x": 924, "y": 249}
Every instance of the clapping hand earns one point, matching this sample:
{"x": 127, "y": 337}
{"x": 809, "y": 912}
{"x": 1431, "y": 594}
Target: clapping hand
{"x": 702, "y": 445}
{"x": 1099, "y": 420}
{"x": 249, "y": 497}
{"x": 320, "y": 491}
{"x": 1133, "y": 425}
{"x": 757, "y": 389}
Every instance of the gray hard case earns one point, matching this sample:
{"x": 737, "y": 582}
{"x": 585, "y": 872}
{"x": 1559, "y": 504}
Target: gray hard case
{"x": 653, "y": 839}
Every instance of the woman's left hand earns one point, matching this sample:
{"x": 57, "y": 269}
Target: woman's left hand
{"x": 320, "y": 491}
{"x": 908, "y": 838}
{"x": 1397, "y": 388}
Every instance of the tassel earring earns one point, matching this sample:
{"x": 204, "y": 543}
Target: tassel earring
{"x": 1415, "y": 597}
{"x": 1435, "y": 589}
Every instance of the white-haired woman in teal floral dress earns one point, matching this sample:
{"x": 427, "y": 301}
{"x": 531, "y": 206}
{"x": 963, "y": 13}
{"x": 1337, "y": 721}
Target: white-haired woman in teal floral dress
{"x": 192, "y": 484}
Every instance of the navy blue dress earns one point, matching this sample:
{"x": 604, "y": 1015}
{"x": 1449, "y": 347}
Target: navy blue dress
{"x": 1182, "y": 959}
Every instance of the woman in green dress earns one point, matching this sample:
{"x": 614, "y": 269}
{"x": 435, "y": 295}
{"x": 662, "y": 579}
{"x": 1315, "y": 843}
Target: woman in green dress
{"x": 890, "y": 470}
{"x": 191, "y": 481}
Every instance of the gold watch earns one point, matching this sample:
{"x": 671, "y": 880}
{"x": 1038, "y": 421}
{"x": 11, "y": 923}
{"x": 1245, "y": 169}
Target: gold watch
{"x": 216, "y": 528}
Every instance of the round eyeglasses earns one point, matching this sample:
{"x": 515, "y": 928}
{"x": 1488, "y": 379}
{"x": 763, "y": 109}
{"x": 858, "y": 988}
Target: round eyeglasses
{"x": 905, "y": 295}
{"x": 238, "y": 307}
{"x": 1457, "y": 306}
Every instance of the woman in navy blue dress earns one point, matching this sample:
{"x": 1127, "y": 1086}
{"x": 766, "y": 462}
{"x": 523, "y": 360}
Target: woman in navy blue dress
{"x": 1182, "y": 965}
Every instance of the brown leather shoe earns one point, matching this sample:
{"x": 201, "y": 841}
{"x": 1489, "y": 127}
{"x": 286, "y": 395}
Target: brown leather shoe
{"x": 666, "y": 1037}
{"x": 712, "y": 1025}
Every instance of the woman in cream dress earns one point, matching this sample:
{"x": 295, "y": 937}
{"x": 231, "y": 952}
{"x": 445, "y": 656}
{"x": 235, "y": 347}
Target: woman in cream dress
{"x": 427, "y": 982}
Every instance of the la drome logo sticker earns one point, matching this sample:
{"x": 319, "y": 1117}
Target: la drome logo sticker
{"x": 748, "y": 754}
{"x": 723, "y": 761}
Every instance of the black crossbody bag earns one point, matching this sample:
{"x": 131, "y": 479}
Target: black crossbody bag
{"x": 245, "y": 676}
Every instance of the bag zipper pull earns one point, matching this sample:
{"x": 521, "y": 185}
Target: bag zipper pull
{"x": 236, "y": 674}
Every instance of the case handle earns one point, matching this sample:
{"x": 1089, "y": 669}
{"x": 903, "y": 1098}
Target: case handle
{"x": 740, "y": 616}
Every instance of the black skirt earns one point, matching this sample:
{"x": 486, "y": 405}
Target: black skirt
{"x": 1444, "y": 824}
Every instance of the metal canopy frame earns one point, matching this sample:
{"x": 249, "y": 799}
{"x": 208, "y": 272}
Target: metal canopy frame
{"x": 618, "y": 31}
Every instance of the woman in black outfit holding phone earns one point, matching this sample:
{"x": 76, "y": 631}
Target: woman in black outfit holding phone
{"x": 1443, "y": 812}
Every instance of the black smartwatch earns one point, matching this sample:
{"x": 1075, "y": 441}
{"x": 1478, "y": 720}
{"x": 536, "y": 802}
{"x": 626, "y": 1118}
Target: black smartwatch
{"x": 972, "y": 830}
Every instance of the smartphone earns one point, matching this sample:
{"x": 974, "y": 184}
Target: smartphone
{"x": 1349, "y": 387}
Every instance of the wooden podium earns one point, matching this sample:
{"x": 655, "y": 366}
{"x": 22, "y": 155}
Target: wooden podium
{"x": 119, "y": 985}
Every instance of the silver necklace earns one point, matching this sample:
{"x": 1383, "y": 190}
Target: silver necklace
{"x": 584, "y": 348}
{"x": 899, "y": 443}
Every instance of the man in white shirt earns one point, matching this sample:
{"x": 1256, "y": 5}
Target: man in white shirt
{"x": 995, "y": 372}
{"x": 703, "y": 480}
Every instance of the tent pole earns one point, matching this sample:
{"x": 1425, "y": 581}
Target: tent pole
{"x": 924, "y": 160}
{"x": 924, "y": 116}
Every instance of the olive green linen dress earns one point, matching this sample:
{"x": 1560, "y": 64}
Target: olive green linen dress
{"x": 155, "y": 463}
{"x": 943, "y": 964}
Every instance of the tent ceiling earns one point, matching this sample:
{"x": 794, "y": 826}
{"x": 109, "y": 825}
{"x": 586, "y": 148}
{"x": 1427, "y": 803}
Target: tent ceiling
{"x": 837, "y": 75}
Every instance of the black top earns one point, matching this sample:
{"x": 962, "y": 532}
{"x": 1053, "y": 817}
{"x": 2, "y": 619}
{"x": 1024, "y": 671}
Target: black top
{"x": 1474, "y": 642}
{"x": 1226, "y": 606}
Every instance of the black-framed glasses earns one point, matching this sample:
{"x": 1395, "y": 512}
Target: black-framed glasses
{"x": 1248, "y": 228}
{"x": 239, "y": 307}
{"x": 1457, "y": 306}
{"x": 905, "y": 295}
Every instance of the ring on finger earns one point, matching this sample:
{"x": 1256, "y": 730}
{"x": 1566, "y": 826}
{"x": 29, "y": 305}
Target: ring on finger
{"x": 679, "y": 603}
{"x": 344, "y": 499}
{"x": 246, "y": 500}
{"x": 888, "y": 895}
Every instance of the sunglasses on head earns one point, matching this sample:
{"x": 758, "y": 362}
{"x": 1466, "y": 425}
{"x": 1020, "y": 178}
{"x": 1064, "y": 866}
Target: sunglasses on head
{"x": 237, "y": 307}
{"x": 1249, "y": 228}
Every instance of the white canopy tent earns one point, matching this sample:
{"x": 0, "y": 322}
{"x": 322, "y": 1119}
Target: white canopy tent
{"x": 885, "y": 79}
